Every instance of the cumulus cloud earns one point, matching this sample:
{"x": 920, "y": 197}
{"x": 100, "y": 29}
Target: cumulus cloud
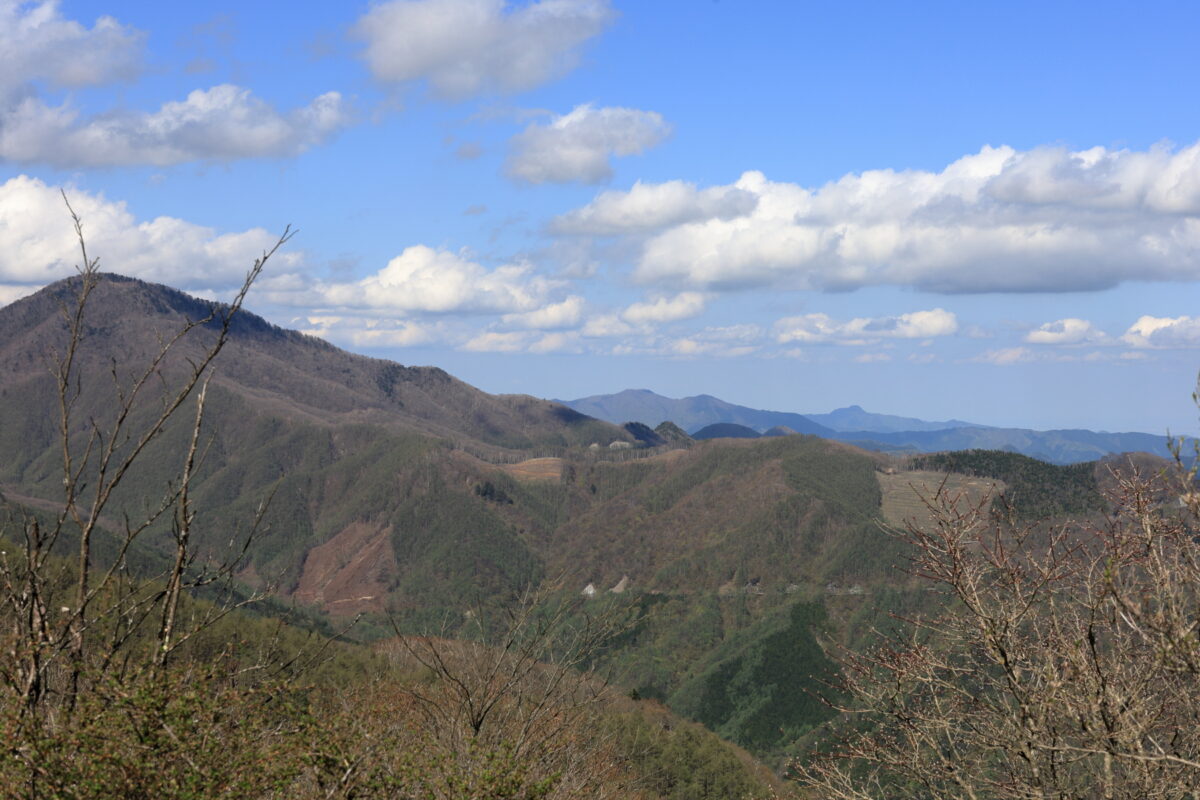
{"x": 695, "y": 346}
{"x": 728, "y": 341}
{"x": 38, "y": 44}
{"x": 468, "y": 47}
{"x": 1066, "y": 331}
{"x": 223, "y": 123}
{"x": 1000, "y": 220}
{"x": 579, "y": 146}
{"x": 498, "y": 342}
{"x": 606, "y": 326}
{"x": 564, "y": 314}
{"x": 821, "y": 328}
{"x": 40, "y": 49}
{"x": 1163, "y": 332}
{"x": 427, "y": 280}
{"x": 522, "y": 342}
{"x": 37, "y": 242}
{"x": 665, "y": 309}
{"x": 556, "y": 342}
{"x": 654, "y": 206}
{"x": 368, "y": 331}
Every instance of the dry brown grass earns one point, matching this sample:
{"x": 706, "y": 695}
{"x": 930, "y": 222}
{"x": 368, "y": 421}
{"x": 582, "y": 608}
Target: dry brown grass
{"x": 536, "y": 469}
{"x": 903, "y": 493}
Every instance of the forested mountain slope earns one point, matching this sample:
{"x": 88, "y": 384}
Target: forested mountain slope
{"x": 407, "y": 496}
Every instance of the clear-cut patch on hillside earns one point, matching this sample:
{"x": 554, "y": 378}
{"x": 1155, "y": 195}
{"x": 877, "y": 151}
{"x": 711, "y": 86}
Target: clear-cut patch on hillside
{"x": 903, "y": 493}
{"x": 351, "y": 572}
{"x": 536, "y": 469}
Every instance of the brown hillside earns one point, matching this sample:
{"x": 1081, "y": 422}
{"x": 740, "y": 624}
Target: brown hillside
{"x": 283, "y": 372}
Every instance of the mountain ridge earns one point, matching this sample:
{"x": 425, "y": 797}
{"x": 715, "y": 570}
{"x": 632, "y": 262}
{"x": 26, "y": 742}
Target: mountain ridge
{"x": 856, "y": 418}
{"x": 887, "y": 434}
{"x": 296, "y": 374}
{"x": 407, "y": 496}
{"x": 689, "y": 413}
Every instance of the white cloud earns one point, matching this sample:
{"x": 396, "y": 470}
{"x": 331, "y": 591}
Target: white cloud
{"x": 9, "y": 294}
{"x": 565, "y": 314}
{"x": 38, "y": 44}
{"x": 40, "y": 49}
{"x": 663, "y": 309}
{"x": 1005, "y": 356}
{"x": 523, "y": 342}
{"x": 1163, "y": 332}
{"x": 368, "y": 331}
{"x": 1066, "y": 331}
{"x": 468, "y": 47}
{"x": 1008, "y": 356}
{"x": 579, "y": 146}
{"x": 729, "y": 341}
{"x": 872, "y": 358}
{"x": 653, "y": 206}
{"x": 1000, "y": 220}
{"x": 695, "y": 346}
{"x": 498, "y": 342}
{"x": 422, "y": 279}
{"x": 557, "y": 342}
{"x": 605, "y": 326}
{"x": 817, "y": 328}
{"x": 743, "y": 333}
{"x": 223, "y": 123}
{"x": 38, "y": 245}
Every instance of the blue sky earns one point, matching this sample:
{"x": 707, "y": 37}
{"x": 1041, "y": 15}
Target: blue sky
{"x": 989, "y": 212}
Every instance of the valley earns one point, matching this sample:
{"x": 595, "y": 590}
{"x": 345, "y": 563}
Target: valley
{"x": 404, "y": 500}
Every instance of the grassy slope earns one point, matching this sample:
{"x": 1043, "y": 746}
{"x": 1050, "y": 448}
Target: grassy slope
{"x": 1037, "y": 489}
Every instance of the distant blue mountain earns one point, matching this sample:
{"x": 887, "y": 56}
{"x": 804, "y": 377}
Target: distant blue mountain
{"x": 883, "y": 432}
{"x": 854, "y": 418}
{"x": 689, "y": 413}
{"x": 1057, "y": 447}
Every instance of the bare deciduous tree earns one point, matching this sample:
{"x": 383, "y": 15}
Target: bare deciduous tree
{"x": 522, "y": 697}
{"x": 1064, "y": 663}
{"x": 72, "y": 618}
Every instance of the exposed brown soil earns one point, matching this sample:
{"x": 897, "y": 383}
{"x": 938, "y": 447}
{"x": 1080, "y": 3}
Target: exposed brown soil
{"x": 350, "y": 573}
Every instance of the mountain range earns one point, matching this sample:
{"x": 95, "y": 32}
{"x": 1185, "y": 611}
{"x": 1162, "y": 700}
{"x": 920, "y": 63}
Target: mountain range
{"x": 871, "y": 431}
{"x": 404, "y": 495}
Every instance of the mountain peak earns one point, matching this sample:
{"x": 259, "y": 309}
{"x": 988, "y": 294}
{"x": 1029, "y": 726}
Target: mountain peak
{"x": 275, "y": 370}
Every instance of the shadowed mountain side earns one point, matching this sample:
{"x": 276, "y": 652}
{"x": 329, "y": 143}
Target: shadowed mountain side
{"x": 689, "y": 413}
{"x": 725, "y": 430}
{"x": 644, "y": 434}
